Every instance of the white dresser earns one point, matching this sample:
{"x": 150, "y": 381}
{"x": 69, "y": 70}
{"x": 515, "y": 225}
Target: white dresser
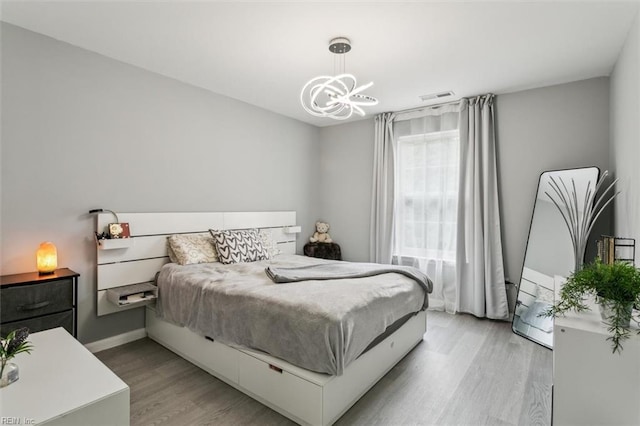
{"x": 592, "y": 385}
{"x": 62, "y": 383}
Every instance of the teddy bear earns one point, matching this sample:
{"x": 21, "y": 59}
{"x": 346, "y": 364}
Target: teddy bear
{"x": 321, "y": 235}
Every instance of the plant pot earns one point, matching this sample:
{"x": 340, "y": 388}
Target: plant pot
{"x": 607, "y": 311}
{"x": 10, "y": 374}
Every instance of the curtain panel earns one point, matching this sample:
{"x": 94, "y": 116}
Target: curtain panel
{"x": 465, "y": 259}
{"x": 479, "y": 267}
{"x": 382, "y": 214}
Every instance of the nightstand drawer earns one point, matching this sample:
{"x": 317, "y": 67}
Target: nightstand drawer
{"x": 62, "y": 319}
{"x": 26, "y": 301}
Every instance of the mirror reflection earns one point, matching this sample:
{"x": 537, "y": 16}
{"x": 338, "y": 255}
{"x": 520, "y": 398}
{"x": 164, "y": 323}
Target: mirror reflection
{"x": 548, "y": 256}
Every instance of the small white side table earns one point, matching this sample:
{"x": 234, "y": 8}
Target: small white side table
{"x": 62, "y": 383}
{"x": 592, "y": 385}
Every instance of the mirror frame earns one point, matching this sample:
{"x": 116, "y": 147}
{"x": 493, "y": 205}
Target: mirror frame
{"x": 513, "y": 321}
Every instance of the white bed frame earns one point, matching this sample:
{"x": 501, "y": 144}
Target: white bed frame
{"x": 301, "y": 395}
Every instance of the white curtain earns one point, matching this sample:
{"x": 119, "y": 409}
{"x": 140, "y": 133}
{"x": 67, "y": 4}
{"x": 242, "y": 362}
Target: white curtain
{"x": 479, "y": 266}
{"x": 435, "y": 204}
{"x": 381, "y": 231}
{"x": 427, "y": 158}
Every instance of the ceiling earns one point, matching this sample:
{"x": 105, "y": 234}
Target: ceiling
{"x": 263, "y": 52}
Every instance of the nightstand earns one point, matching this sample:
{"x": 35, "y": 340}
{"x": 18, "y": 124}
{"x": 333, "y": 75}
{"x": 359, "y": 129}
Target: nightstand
{"x": 591, "y": 384}
{"x": 39, "y": 302}
{"x": 323, "y": 250}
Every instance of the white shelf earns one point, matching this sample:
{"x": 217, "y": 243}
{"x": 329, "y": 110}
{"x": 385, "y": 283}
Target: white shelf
{"x": 132, "y": 295}
{"x": 292, "y": 229}
{"x": 115, "y": 243}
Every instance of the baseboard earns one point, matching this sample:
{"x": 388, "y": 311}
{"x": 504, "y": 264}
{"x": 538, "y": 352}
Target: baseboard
{"x": 113, "y": 341}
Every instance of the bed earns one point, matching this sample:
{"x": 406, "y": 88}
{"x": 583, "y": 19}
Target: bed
{"x": 357, "y": 348}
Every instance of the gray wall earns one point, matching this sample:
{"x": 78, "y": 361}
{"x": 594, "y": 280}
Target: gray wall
{"x": 81, "y": 131}
{"x": 625, "y": 136}
{"x": 346, "y": 170}
{"x": 550, "y": 128}
{"x": 555, "y": 127}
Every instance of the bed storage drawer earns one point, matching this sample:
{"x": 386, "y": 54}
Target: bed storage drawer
{"x": 218, "y": 358}
{"x": 298, "y": 396}
{"x": 213, "y": 357}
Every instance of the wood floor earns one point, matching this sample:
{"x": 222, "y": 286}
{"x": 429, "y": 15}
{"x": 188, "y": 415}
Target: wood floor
{"x": 467, "y": 371}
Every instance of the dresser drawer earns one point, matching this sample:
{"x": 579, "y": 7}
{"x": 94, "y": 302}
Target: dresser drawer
{"x": 62, "y": 319}
{"x": 26, "y": 301}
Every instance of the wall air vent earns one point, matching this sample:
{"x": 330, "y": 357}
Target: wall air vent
{"x": 439, "y": 95}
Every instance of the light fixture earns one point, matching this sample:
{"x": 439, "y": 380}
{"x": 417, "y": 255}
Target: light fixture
{"x": 338, "y": 96}
{"x": 47, "y": 258}
{"x": 95, "y": 211}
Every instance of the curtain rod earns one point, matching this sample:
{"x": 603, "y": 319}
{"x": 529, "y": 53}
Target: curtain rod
{"x": 434, "y": 106}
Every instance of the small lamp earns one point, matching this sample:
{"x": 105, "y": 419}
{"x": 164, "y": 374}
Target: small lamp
{"x": 47, "y": 258}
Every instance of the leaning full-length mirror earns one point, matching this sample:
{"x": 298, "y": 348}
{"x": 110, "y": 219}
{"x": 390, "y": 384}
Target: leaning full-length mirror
{"x": 548, "y": 255}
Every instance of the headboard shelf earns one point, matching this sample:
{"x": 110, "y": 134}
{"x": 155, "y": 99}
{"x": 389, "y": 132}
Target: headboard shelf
{"x": 115, "y": 243}
{"x": 146, "y": 249}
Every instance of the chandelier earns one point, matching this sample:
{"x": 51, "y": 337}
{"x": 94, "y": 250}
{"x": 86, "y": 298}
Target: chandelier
{"x": 338, "y": 96}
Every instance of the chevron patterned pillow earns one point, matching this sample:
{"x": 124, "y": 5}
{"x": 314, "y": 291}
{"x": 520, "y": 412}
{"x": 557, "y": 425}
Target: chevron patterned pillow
{"x": 238, "y": 246}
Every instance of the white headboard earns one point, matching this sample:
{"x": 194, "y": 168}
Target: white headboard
{"x": 146, "y": 251}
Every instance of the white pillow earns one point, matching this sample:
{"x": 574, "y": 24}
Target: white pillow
{"x": 192, "y": 248}
{"x": 267, "y": 242}
{"x": 172, "y": 255}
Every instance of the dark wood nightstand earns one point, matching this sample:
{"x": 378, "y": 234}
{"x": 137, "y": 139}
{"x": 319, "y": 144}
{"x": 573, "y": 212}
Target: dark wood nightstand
{"x": 39, "y": 302}
{"x": 323, "y": 250}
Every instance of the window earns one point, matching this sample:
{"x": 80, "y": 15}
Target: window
{"x": 427, "y": 195}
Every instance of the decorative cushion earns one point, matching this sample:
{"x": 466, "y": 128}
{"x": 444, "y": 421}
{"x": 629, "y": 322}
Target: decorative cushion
{"x": 172, "y": 255}
{"x": 269, "y": 245}
{"x": 192, "y": 248}
{"x": 238, "y": 246}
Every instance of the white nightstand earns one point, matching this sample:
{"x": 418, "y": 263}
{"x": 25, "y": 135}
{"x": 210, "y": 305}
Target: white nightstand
{"x": 591, "y": 385}
{"x": 62, "y": 383}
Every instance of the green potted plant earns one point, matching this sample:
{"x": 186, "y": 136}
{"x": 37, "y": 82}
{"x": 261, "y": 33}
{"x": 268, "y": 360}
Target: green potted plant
{"x": 616, "y": 288}
{"x": 15, "y": 343}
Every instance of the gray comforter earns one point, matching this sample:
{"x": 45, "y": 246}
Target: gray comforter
{"x": 320, "y": 325}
